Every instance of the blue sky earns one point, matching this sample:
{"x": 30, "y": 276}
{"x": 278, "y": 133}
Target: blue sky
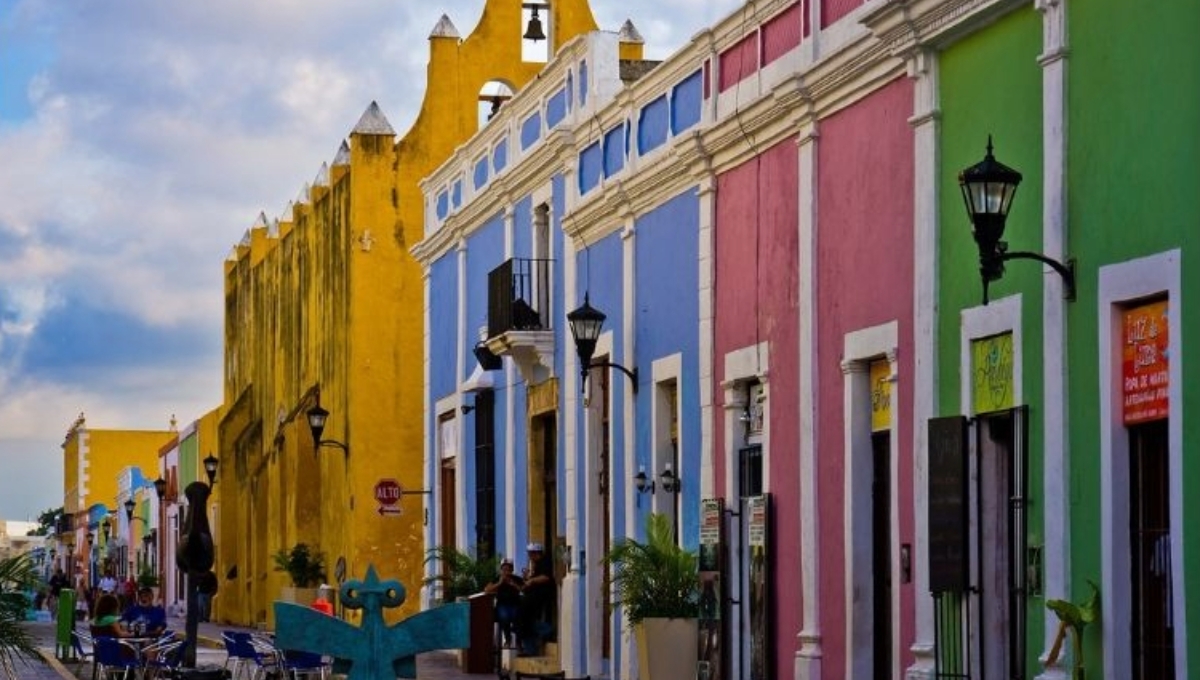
{"x": 139, "y": 139}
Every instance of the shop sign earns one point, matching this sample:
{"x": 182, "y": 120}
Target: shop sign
{"x": 1145, "y": 373}
{"x": 881, "y": 395}
{"x": 992, "y": 373}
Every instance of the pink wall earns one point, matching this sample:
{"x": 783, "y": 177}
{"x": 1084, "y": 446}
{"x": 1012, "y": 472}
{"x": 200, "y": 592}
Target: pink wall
{"x": 756, "y": 263}
{"x": 832, "y": 10}
{"x": 864, "y": 278}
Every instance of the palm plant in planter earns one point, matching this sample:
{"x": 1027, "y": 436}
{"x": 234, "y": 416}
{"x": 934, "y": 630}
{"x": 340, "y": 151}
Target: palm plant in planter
{"x": 305, "y": 568}
{"x": 462, "y": 573}
{"x": 657, "y": 585}
{"x": 18, "y": 576}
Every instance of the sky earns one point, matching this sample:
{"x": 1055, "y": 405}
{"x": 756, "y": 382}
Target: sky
{"x": 139, "y": 140}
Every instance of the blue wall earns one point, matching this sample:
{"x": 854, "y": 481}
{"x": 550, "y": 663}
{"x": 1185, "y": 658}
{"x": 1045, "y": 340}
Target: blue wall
{"x": 668, "y": 321}
{"x": 443, "y": 326}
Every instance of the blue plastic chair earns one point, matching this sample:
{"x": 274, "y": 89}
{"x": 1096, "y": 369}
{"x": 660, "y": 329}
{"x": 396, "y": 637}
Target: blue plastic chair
{"x": 239, "y": 654}
{"x": 82, "y": 655}
{"x": 115, "y": 658}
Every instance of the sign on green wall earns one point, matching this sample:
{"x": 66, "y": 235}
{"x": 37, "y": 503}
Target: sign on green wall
{"x": 992, "y": 373}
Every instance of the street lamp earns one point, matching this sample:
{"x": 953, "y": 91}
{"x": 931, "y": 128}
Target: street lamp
{"x": 642, "y": 482}
{"x": 129, "y": 506}
{"x": 316, "y": 424}
{"x": 668, "y": 481}
{"x": 988, "y": 188}
{"x": 160, "y": 490}
{"x": 210, "y": 468}
{"x": 586, "y": 323}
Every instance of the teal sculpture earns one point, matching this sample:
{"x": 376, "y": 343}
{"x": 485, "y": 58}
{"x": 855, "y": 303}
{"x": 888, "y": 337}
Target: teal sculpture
{"x": 374, "y": 651}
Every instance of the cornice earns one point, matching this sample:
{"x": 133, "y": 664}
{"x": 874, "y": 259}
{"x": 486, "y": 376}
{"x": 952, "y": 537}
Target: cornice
{"x": 904, "y": 25}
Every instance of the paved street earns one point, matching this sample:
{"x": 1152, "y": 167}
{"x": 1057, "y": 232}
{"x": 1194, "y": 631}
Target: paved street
{"x": 431, "y": 666}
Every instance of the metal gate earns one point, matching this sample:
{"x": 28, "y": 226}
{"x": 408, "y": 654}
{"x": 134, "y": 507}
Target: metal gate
{"x": 956, "y": 546}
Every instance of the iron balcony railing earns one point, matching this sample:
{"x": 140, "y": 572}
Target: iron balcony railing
{"x": 519, "y": 296}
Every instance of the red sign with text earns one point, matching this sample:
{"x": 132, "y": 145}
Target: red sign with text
{"x": 1145, "y": 361}
{"x": 387, "y": 491}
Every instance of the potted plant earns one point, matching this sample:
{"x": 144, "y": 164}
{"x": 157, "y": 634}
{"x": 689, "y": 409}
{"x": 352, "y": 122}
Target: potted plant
{"x": 657, "y": 585}
{"x": 147, "y": 578}
{"x": 462, "y": 573}
{"x": 305, "y": 568}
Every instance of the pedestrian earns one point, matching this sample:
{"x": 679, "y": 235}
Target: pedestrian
{"x": 108, "y": 584}
{"x": 145, "y": 617}
{"x": 536, "y": 596}
{"x": 322, "y": 603}
{"x": 58, "y": 581}
{"x": 507, "y": 590}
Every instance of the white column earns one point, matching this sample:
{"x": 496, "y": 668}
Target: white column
{"x": 1055, "y": 461}
{"x": 706, "y": 194}
{"x": 807, "y": 662}
{"x": 925, "y": 122}
{"x": 574, "y": 587}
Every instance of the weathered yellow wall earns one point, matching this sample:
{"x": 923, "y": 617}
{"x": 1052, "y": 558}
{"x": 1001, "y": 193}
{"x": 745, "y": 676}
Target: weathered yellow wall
{"x": 331, "y": 304}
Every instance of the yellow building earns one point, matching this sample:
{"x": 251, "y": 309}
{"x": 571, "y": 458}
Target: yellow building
{"x": 92, "y": 463}
{"x": 325, "y": 306}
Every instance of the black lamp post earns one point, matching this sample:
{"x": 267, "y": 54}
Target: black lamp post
{"x": 586, "y": 322}
{"x": 988, "y": 188}
{"x": 129, "y": 506}
{"x": 316, "y": 424}
{"x": 160, "y": 490}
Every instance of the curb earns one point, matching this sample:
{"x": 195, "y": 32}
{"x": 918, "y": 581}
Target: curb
{"x": 56, "y": 665}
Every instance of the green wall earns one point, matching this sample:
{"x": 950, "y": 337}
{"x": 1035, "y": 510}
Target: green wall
{"x": 991, "y": 82}
{"x": 1133, "y": 155}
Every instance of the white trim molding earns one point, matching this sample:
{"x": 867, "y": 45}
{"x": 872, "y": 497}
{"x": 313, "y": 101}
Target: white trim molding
{"x": 860, "y": 348}
{"x": 1121, "y": 284}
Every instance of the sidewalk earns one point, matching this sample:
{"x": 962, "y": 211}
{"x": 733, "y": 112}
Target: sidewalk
{"x": 440, "y": 665}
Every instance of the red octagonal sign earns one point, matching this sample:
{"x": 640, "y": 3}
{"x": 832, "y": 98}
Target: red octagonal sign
{"x": 387, "y": 492}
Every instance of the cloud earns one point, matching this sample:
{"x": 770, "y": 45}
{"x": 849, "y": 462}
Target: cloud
{"x": 141, "y": 139}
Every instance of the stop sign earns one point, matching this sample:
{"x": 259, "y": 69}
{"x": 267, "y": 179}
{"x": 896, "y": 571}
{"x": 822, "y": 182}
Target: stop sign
{"x": 387, "y": 491}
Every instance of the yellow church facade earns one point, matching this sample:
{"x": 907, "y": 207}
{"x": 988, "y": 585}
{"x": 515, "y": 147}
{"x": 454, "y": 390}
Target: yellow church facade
{"x": 325, "y": 307}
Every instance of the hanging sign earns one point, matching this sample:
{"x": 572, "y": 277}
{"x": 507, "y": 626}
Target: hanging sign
{"x": 1145, "y": 373}
{"x": 992, "y": 373}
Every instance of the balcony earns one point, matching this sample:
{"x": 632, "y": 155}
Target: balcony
{"x": 519, "y": 323}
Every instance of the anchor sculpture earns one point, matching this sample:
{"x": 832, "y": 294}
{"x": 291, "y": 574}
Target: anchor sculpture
{"x": 194, "y": 556}
{"x": 374, "y": 651}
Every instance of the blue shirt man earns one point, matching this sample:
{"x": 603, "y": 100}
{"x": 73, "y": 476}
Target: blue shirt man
{"x": 145, "y": 617}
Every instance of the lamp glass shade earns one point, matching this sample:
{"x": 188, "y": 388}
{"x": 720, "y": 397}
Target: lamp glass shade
{"x": 586, "y": 322}
{"x": 129, "y": 506}
{"x": 667, "y": 477}
{"x": 316, "y": 421}
{"x": 210, "y": 467}
{"x": 640, "y": 480}
{"x": 160, "y": 487}
{"x": 988, "y": 187}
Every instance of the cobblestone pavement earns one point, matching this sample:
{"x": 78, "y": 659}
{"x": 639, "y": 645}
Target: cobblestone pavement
{"x": 431, "y": 666}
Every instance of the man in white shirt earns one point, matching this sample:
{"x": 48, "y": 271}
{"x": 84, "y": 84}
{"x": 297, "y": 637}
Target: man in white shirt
{"x": 108, "y": 584}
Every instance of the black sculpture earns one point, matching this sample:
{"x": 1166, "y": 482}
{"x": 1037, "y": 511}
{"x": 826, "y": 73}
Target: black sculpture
{"x": 195, "y": 556}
